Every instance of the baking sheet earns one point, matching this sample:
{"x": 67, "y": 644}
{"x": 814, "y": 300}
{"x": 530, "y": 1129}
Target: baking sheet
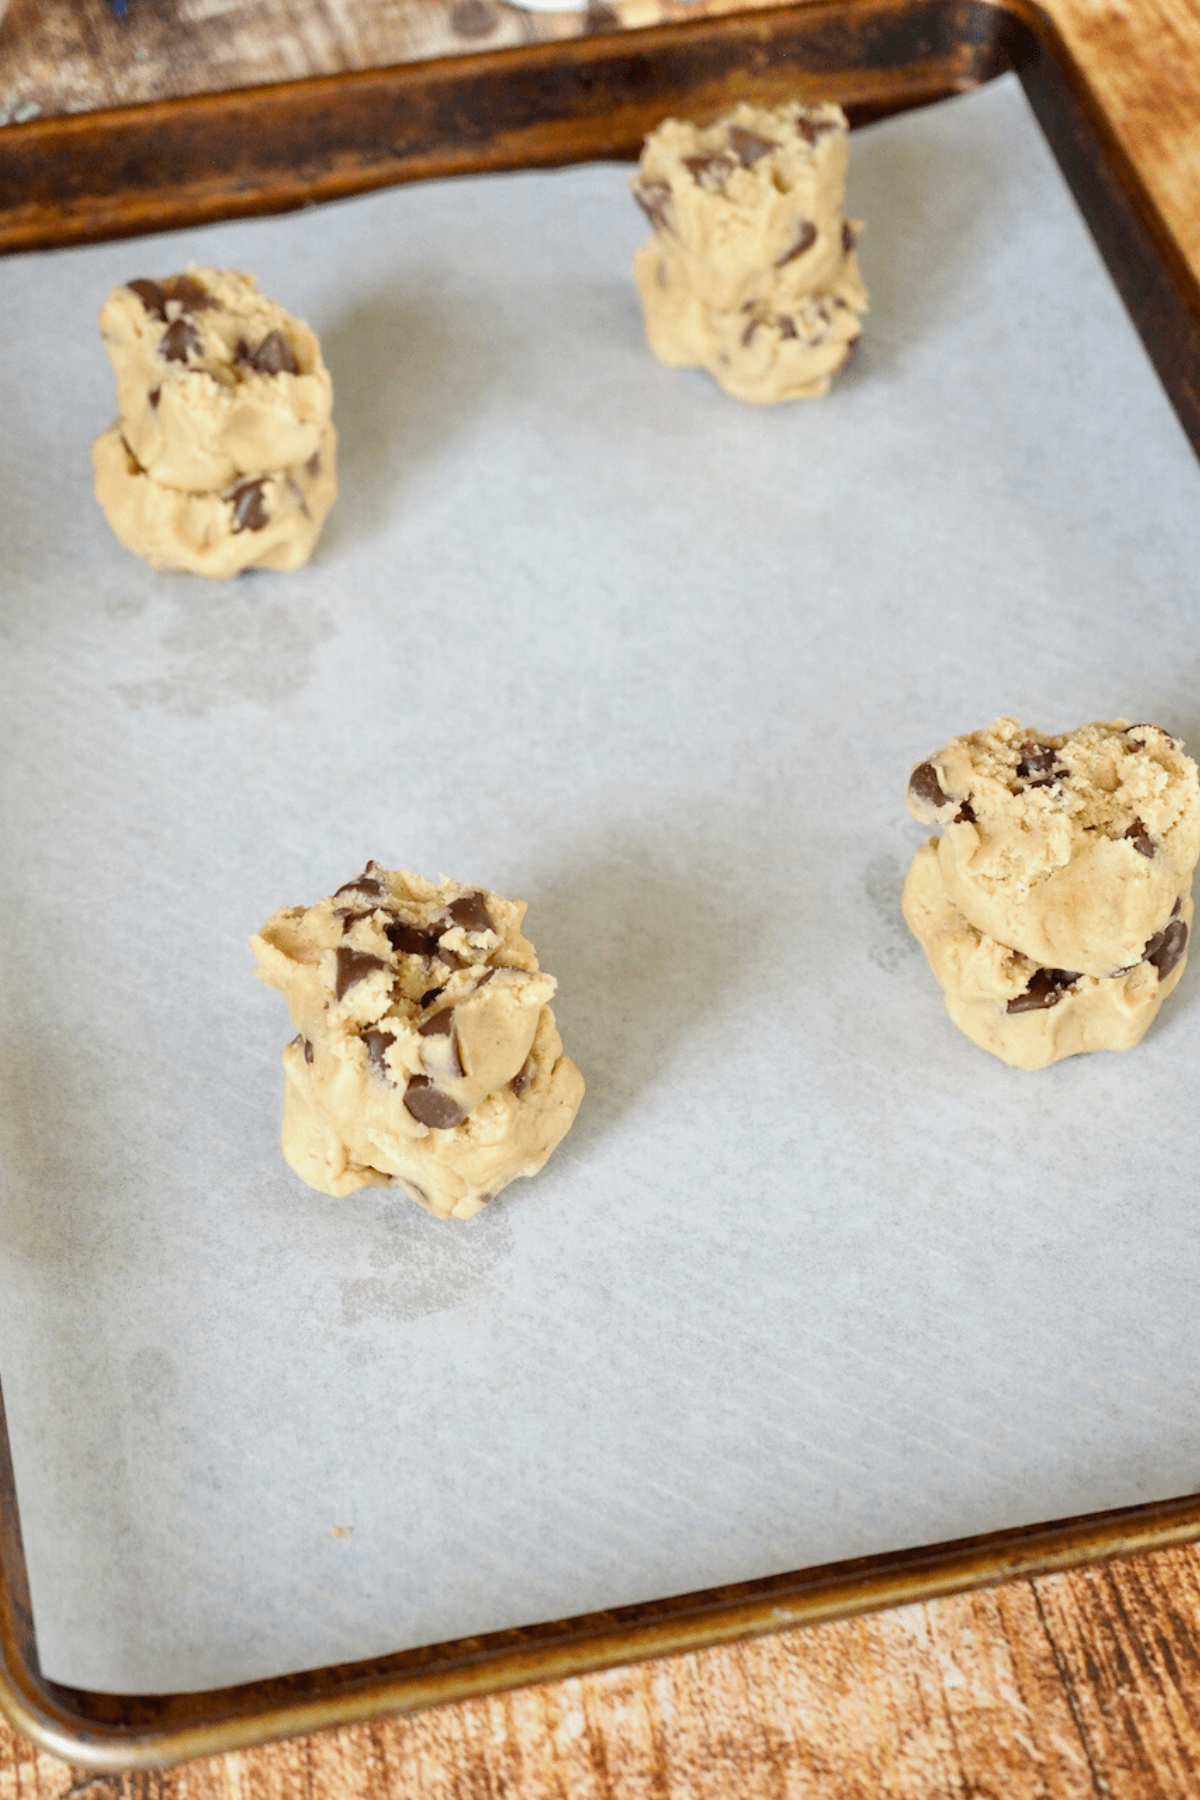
{"x": 812, "y": 1277}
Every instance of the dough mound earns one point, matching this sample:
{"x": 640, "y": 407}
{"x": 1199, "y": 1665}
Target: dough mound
{"x": 428, "y": 1057}
{"x": 261, "y": 522}
{"x": 751, "y": 273}
{"x": 1071, "y": 849}
{"x": 1028, "y": 1016}
{"x": 218, "y": 389}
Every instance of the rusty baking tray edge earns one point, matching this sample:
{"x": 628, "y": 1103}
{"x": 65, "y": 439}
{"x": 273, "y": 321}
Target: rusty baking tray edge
{"x": 544, "y": 106}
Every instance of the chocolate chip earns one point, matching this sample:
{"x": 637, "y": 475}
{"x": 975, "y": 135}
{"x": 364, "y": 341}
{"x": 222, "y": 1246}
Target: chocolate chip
{"x": 179, "y": 341}
{"x": 748, "y": 333}
{"x": 191, "y": 295}
{"x": 470, "y": 911}
{"x": 249, "y": 508}
{"x": 441, "y": 1024}
{"x": 430, "y": 1106}
{"x": 352, "y": 915}
{"x": 274, "y": 356}
{"x": 1140, "y": 838}
{"x": 362, "y": 884}
{"x": 353, "y": 966}
{"x": 451, "y": 958}
{"x": 811, "y": 129}
{"x": 152, "y": 297}
{"x": 308, "y": 1051}
{"x": 443, "y": 1060}
{"x": 748, "y": 147}
{"x": 522, "y": 1078}
{"x": 806, "y": 237}
{"x": 653, "y": 198}
{"x": 154, "y": 396}
{"x": 1166, "y": 947}
{"x": 787, "y": 328}
{"x": 1045, "y": 990}
{"x": 313, "y": 466}
{"x": 430, "y": 995}
{"x": 486, "y": 1199}
{"x": 924, "y": 785}
{"x": 1177, "y": 908}
{"x": 377, "y": 1042}
{"x": 473, "y": 19}
{"x": 411, "y": 940}
{"x": 1036, "y": 767}
{"x": 849, "y": 237}
{"x": 709, "y": 172}
{"x": 965, "y": 814}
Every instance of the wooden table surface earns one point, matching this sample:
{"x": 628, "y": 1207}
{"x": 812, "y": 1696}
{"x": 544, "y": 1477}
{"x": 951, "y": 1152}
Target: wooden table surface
{"x": 1084, "y": 1684}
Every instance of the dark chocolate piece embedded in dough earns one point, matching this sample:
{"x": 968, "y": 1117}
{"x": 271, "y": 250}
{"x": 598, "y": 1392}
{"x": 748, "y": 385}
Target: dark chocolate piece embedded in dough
{"x": 377, "y": 1042}
{"x": 965, "y": 814}
{"x": 154, "y": 396}
{"x": 787, "y": 328}
{"x": 1045, "y": 989}
{"x": 1140, "y": 838}
{"x": 308, "y": 1051}
{"x": 849, "y": 237}
{"x": 748, "y": 146}
{"x": 1037, "y": 766}
{"x": 362, "y": 884}
{"x": 470, "y": 911}
{"x": 411, "y": 940}
{"x": 430, "y": 1106}
{"x": 709, "y": 171}
{"x": 249, "y": 508}
{"x": 191, "y": 296}
{"x": 806, "y": 237}
{"x": 179, "y": 341}
{"x": 152, "y": 296}
{"x": 353, "y": 966}
{"x": 274, "y": 356}
{"x": 443, "y": 1060}
{"x": 1166, "y": 947}
{"x": 924, "y": 783}
{"x": 653, "y": 197}
{"x": 522, "y": 1078}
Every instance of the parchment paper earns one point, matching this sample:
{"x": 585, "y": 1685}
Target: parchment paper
{"x": 812, "y": 1276}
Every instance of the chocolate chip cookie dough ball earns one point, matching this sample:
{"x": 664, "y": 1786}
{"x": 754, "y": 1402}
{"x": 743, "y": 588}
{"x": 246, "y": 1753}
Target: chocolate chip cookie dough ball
{"x": 1071, "y": 849}
{"x": 427, "y": 1055}
{"x": 214, "y": 381}
{"x": 752, "y": 272}
{"x": 1028, "y": 1016}
{"x": 224, "y": 457}
{"x": 260, "y": 522}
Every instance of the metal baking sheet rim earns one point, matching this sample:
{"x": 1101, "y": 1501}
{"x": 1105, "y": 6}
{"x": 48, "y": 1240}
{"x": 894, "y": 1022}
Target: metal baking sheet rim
{"x": 112, "y": 1732}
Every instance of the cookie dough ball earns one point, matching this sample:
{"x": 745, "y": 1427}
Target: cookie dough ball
{"x": 427, "y": 1055}
{"x": 214, "y": 381}
{"x": 1033, "y": 1016}
{"x": 752, "y": 272}
{"x": 1071, "y": 849}
{"x": 269, "y": 521}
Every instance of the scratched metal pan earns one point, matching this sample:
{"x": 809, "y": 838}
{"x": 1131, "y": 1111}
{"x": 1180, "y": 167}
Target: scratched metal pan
{"x": 72, "y": 180}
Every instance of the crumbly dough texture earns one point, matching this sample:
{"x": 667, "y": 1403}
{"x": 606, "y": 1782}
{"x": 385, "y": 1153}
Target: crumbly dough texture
{"x": 214, "y": 381}
{"x": 751, "y": 272}
{"x": 268, "y": 521}
{"x": 1070, "y": 849}
{"x": 1027, "y": 1015}
{"x": 224, "y": 455}
{"x": 427, "y": 1055}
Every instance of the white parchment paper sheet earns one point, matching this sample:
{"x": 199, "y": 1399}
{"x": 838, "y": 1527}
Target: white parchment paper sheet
{"x": 812, "y": 1276}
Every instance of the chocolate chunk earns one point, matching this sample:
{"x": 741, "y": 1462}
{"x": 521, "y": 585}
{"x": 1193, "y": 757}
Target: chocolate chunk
{"x": 522, "y": 1079}
{"x": 924, "y": 785}
{"x": 1036, "y": 767}
{"x": 470, "y": 911}
{"x": 653, "y": 198}
{"x": 965, "y": 814}
{"x": 709, "y": 172}
{"x": 806, "y": 237}
{"x": 787, "y": 328}
{"x": 191, "y": 296}
{"x": 1140, "y": 838}
{"x": 352, "y": 915}
{"x": 748, "y": 334}
{"x": 154, "y": 396}
{"x": 451, "y": 958}
{"x": 1045, "y": 989}
{"x": 486, "y": 1199}
{"x": 443, "y": 1060}
{"x": 411, "y": 940}
{"x": 152, "y": 297}
{"x": 1177, "y": 908}
{"x": 249, "y": 508}
{"x": 748, "y": 147}
{"x": 312, "y": 467}
{"x": 430, "y": 1106}
{"x": 849, "y": 237}
{"x": 441, "y": 1024}
{"x": 377, "y": 1042}
{"x": 1166, "y": 947}
{"x": 430, "y": 995}
{"x": 308, "y": 1051}
{"x": 812, "y": 129}
{"x": 179, "y": 341}
{"x": 354, "y": 966}
{"x": 362, "y": 884}
{"x": 274, "y": 355}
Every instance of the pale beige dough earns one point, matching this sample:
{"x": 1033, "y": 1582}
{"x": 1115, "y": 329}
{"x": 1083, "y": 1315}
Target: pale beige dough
{"x": 214, "y": 381}
{"x": 1070, "y": 849}
{"x": 752, "y": 272}
{"x": 269, "y": 521}
{"x": 1028, "y": 1016}
{"x": 428, "y": 1056}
